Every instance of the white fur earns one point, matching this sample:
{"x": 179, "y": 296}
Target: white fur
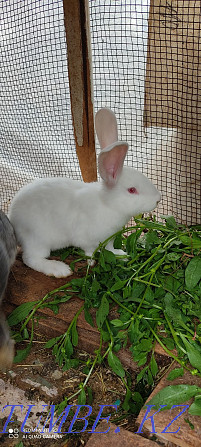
{"x": 54, "y": 213}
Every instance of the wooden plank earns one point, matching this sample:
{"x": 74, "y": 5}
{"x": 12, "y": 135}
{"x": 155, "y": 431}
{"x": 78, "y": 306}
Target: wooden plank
{"x": 76, "y": 20}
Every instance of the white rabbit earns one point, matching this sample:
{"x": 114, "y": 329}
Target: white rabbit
{"x": 8, "y": 248}
{"x": 53, "y": 213}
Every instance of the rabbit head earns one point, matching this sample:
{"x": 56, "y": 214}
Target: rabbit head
{"x": 135, "y": 191}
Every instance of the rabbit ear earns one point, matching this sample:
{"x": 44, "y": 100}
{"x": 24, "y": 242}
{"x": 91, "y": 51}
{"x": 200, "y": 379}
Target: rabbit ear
{"x": 110, "y": 162}
{"x": 106, "y": 127}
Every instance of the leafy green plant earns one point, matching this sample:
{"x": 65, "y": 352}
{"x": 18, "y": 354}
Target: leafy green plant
{"x": 27, "y": 312}
{"x": 154, "y": 291}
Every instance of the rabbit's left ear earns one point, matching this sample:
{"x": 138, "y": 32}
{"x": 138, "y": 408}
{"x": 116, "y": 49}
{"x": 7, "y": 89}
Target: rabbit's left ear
{"x": 113, "y": 152}
{"x": 110, "y": 162}
{"x": 106, "y": 127}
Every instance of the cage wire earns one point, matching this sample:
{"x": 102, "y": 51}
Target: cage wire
{"x": 145, "y": 60}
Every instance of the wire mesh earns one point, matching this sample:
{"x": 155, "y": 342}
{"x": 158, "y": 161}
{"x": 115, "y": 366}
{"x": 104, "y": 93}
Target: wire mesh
{"x": 146, "y": 67}
{"x": 36, "y": 133}
{"x": 36, "y": 136}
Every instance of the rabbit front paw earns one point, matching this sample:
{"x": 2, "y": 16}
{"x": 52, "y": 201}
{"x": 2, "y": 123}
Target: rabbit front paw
{"x": 49, "y": 267}
{"x": 58, "y": 269}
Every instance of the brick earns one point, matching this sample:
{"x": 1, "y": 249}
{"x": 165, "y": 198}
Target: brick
{"x": 123, "y": 438}
{"x": 186, "y": 436}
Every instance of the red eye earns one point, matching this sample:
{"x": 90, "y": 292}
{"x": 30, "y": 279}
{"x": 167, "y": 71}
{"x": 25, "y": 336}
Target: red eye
{"x": 132, "y": 190}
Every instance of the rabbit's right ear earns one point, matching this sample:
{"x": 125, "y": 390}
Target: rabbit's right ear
{"x": 106, "y": 127}
{"x": 110, "y": 162}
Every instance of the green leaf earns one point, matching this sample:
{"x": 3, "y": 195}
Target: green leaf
{"x": 68, "y": 347}
{"x": 150, "y": 379}
{"x": 102, "y": 312}
{"x": 20, "y": 313}
{"x": 142, "y": 374}
{"x": 174, "y": 395}
{"x": 74, "y": 335}
{"x": 193, "y": 354}
{"x": 195, "y": 408}
{"x": 95, "y": 286}
{"x": 177, "y": 372}
{"x": 109, "y": 257}
{"x": 144, "y": 345}
{"x": 189, "y": 423}
{"x": 105, "y": 335}
{"x": 88, "y": 317}
{"x": 70, "y": 363}
{"x": 173, "y": 256}
{"x": 136, "y": 396}
{"x": 192, "y": 242}
{"x": 102, "y": 261}
{"x": 117, "y": 347}
{"x": 142, "y": 360}
{"x": 151, "y": 239}
{"x": 82, "y": 397}
{"x": 55, "y": 349}
{"x": 115, "y": 364}
{"x": 193, "y": 272}
{"x": 90, "y": 395}
{"x": 22, "y": 354}
{"x": 118, "y": 241}
{"x": 118, "y": 285}
{"x": 131, "y": 243}
{"x": 117, "y": 323}
{"x": 149, "y": 295}
{"x": 172, "y": 312}
{"x": 138, "y": 289}
{"x": 20, "y": 444}
{"x": 125, "y": 404}
{"x": 137, "y": 401}
{"x": 53, "y": 307}
{"x": 172, "y": 284}
{"x": 170, "y": 222}
{"x": 51, "y": 342}
{"x": 77, "y": 283}
{"x": 153, "y": 366}
{"x": 25, "y": 334}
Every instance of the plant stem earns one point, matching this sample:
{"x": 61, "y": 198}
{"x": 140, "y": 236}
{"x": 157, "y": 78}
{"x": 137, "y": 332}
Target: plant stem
{"x": 40, "y": 302}
{"x": 98, "y": 352}
{"x": 74, "y": 320}
{"x": 169, "y": 352}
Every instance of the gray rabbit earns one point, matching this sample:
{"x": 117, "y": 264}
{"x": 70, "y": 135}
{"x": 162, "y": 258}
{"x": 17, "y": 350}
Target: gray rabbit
{"x": 8, "y": 248}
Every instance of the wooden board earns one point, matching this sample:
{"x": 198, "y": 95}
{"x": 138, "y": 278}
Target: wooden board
{"x": 76, "y": 20}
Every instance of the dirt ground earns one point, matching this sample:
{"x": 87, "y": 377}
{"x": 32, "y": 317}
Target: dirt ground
{"x": 43, "y": 382}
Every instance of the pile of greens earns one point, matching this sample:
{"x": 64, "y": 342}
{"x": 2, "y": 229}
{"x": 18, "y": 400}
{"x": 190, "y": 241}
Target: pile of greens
{"x": 155, "y": 293}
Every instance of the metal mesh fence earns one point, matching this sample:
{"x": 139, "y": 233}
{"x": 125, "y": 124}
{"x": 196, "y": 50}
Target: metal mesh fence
{"x": 36, "y": 136}
{"x": 131, "y": 63}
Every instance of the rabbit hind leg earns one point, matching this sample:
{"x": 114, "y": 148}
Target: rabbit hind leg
{"x": 35, "y": 257}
